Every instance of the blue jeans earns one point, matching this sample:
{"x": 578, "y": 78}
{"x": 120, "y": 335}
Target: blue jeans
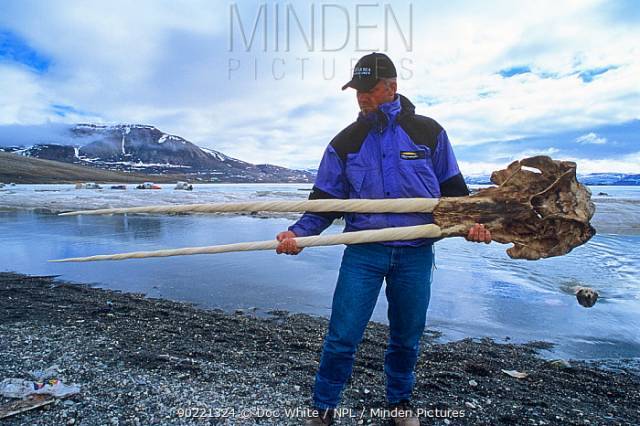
{"x": 407, "y": 271}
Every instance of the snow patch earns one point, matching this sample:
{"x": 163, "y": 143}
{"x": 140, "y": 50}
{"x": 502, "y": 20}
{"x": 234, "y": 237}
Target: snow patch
{"x": 215, "y": 154}
{"x": 140, "y": 164}
{"x": 90, "y": 126}
{"x": 166, "y": 137}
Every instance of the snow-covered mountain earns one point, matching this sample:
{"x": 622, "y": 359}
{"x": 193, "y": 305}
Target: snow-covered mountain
{"x": 141, "y": 148}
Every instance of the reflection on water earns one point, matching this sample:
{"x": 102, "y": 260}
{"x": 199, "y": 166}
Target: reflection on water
{"x": 477, "y": 290}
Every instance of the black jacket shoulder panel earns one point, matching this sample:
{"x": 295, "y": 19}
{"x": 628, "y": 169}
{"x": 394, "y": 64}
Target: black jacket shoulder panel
{"x": 422, "y": 130}
{"x": 350, "y": 139}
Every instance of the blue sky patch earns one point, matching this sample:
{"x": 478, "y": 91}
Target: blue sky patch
{"x": 14, "y": 49}
{"x": 426, "y": 100}
{"x": 486, "y": 93}
{"x": 607, "y": 141}
{"x": 588, "y": 75}
{"x": 64, "y": 110}
{"x": 510, "y": 72}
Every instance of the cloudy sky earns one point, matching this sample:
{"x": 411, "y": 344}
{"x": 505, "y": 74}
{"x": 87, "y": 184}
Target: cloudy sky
{"x": 260, "y": 81}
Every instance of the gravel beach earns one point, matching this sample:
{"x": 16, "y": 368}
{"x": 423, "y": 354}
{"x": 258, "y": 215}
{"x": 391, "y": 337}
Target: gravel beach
{"x": 147, "y": 361}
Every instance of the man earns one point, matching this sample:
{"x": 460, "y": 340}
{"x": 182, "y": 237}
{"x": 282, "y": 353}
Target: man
{"x": 389, "y": 152}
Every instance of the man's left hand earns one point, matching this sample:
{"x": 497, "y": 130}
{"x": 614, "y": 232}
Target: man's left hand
{"x": 478, "y": 233}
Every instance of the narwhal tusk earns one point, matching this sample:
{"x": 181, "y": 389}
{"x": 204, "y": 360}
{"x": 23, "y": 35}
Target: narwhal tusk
{"x": 402, "y": 205}
{"x": 357, "y": 237}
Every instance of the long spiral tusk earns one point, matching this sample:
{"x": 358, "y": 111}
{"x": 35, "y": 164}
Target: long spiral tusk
{"x": 357, "y": 237}
{"x": 400, "y": 205}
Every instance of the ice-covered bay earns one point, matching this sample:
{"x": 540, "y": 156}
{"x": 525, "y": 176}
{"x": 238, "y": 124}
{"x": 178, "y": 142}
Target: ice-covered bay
{"x": 65, "y": 197}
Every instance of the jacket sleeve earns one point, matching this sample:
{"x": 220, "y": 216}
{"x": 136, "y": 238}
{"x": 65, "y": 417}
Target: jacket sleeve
{"x": 331, "y": 182}
{"x": 451, "y": 181}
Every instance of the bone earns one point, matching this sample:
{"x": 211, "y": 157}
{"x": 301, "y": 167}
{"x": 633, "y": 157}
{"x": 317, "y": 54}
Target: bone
{"x": 543, "y": 214}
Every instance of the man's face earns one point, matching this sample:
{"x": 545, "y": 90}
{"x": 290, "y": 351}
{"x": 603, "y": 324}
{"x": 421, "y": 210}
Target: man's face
{"x": 381, "y": 93}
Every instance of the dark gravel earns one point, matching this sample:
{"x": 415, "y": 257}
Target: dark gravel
{"x": 144, "y": 361}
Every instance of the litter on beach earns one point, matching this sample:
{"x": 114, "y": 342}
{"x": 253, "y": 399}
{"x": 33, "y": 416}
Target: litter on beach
{"x": 21, "y": 388}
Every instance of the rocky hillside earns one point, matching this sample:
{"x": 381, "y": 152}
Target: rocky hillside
{"x": 145, "y": 149}
{"x": 19, "y": 169}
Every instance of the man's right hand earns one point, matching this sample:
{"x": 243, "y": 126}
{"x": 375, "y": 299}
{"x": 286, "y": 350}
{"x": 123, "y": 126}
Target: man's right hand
{"x": 287, "y": 243}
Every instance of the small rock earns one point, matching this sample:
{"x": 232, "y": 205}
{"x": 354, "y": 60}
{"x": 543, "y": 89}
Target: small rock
{"x": 560, "y": 363}
{"x": 366, "y": 391}
{"x": 473, "y": 383}
{"x": 296, "y": 388}
{"x": 515, "y": 374}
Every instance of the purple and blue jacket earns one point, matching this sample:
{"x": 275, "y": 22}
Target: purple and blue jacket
{"x": 389, "y": 153}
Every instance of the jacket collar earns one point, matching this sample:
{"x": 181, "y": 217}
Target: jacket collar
{"x": 407, "y": 108}
{"x": 389, "y": 112}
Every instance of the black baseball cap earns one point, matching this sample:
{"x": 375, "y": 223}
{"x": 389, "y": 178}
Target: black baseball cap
{"x": 369, "y": 70}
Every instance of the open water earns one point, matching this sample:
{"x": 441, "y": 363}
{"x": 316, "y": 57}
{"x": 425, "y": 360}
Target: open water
{"x": 477, "y": 289}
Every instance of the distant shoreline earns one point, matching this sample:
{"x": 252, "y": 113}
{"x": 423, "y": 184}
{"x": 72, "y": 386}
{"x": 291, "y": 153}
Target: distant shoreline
{"x": 27, "y": 170}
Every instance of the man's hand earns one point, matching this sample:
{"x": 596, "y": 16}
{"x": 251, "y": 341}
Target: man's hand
{"x": 287, "y": 243}
{"x": 478, "y": 233}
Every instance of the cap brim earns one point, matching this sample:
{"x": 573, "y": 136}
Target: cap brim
{"x": 361, "y": 84}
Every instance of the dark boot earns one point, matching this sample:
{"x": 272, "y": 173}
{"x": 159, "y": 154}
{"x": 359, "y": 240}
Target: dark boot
{"x": 319, "y": 417}
{"x": 403, "y": 414}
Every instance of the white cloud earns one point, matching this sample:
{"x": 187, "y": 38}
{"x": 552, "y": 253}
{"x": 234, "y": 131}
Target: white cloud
{"x": 166, "y": 64}
{"x": 591, "y": 138}
{"x": 625, "y": 164}
{"x": 23, "y": 100}
{"x": 480, "y": 168}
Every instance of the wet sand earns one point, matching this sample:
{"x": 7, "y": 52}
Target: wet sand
{"x": 151, "y": 361}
